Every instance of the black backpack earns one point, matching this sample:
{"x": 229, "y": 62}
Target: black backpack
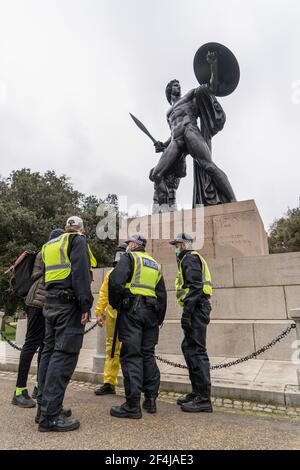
{"x": 21, "y": 272}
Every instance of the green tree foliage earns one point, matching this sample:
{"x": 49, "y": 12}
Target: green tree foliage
{"x": 285, "y": 233}
{"x": 31, "y": 205}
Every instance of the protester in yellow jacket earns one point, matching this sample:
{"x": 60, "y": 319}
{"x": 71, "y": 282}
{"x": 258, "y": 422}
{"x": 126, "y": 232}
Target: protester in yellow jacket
{"x": 107, "y": 316}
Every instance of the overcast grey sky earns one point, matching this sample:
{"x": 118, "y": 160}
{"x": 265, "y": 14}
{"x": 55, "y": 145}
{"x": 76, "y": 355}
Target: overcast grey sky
{"x": 71, "y": 70}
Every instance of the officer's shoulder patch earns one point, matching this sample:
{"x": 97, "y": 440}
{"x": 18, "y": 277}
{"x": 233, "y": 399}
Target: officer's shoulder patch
{"x": 149, "y": 263}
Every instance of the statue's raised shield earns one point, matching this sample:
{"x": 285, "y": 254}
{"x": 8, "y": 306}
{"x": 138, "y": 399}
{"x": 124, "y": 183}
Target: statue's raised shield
{"x": 228, "y": 68}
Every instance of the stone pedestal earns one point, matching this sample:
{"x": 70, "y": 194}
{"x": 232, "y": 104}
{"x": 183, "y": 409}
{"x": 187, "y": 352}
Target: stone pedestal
{"x": 2, "y": 324}
{"x": 21, "y": 332}
{"x": 226, "y": 230}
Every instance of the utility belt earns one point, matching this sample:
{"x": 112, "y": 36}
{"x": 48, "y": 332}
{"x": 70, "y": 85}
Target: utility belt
{"x": 62, "y": 296}
{"x": 132, "y": 303}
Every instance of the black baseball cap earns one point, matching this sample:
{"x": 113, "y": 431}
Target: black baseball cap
{"x": 138, "y": 239}
{"x": 57, "y": 232}
{"x": 182, "y": 237}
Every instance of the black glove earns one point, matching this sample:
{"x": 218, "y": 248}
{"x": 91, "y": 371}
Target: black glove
{"x": 186, "y": 322}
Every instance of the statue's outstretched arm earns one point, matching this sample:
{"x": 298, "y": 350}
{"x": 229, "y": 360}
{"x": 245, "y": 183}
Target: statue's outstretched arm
{"x": 212, "y": 59}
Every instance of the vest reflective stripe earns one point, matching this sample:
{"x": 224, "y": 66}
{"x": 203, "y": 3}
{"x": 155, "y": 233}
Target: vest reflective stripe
{"x": 57, "y": 266}
{"x": 146, "y": 275}
{"x": 143, "y": 286}
{"x": 182, "y": 292}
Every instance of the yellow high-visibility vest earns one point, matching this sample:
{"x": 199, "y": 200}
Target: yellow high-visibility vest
{"x": 56, "y": 259}
{"x": 182, "y": 291}
{"x": 146, "y": 275}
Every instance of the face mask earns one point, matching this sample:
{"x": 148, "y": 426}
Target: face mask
{"x": 178, "y": 251}
{"x": 127, "y": 249}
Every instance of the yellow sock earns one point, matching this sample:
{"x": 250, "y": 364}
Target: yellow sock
{"x": 19, "y": 390}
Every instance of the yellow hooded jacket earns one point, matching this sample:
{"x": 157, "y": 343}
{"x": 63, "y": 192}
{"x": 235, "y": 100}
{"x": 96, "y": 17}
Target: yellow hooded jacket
{"x": 112, "y": 365}
{"x": 102, "y": 304}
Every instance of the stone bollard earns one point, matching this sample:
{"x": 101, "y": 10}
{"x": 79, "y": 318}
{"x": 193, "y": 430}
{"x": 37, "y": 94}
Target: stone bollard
{"x": 21, "y": 331}
{"x": 2, "y": 324}
{"x": 294, "y": 314}
{"x": 99, "y": 359}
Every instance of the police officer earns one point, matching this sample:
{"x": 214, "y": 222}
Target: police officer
{"x": 35, "y": 330}
{"x": 137, "y": 290}
{"x": 108, "y": 316}
{"x": 67, "y": 309}
{"x": 193, "y": 291}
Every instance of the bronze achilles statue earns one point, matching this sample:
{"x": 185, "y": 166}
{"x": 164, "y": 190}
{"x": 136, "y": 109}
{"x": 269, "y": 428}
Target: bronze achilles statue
{"x": 217, "y": 69}
{"x": 217, "y": 72}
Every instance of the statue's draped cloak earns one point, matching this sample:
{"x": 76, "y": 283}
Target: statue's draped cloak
{"x": 212, "y": 120}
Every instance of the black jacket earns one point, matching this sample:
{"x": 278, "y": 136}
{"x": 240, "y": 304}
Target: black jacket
{"x": 79, "y": 281}
{"x": 193, "y": 279}
{"x": 37, "y": 292}
{"x": 122, "y": 274}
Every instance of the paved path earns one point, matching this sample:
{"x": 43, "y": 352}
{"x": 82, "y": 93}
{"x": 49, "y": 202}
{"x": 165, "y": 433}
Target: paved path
{"x": 169, "y": 429}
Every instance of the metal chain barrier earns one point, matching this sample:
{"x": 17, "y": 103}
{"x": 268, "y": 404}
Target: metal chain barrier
{"x": 182, "y": 366}
{"x": 91, "y": 328}
{"x": 11, "y": 343}
{"x": 11, "y": 326}
{"x": 241, "y": 359}
{"x": 18, "y": 348}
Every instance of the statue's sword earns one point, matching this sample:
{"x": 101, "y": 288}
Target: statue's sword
{"x": 143, "y": 128}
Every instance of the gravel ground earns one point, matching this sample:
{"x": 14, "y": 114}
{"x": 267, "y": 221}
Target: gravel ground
{"x": 232, "y": 426}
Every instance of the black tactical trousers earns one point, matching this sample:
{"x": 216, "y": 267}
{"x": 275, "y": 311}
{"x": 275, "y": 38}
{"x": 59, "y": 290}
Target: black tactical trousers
{"x": 34, "y": 340}
{"x": 194, "y": 350}
{"x": 138, "y": 332}
{"x": 62, "y": 344}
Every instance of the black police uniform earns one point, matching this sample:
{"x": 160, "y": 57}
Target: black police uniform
{"x": 195, "y": 318}
{"x": 138, "y": 331}
{"x": 65, "y": 302}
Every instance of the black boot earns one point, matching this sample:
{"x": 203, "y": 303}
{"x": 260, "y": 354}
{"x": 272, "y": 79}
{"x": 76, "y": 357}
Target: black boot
{"x": 23, "y": 400}
{"x": 58, "y": 424}
{"x": 189, "y": 397}
{"x": 127, "y": 410}
{"x": 65, "y": 413}
{"x": 198, "y": 405}
{"x": 34, "y": 393}
{"x": 106, "y": 389}
{"x": 149, "y": 404}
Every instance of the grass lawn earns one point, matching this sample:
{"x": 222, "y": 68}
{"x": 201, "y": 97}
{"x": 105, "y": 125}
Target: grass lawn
{"x": 10, "y": 332}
